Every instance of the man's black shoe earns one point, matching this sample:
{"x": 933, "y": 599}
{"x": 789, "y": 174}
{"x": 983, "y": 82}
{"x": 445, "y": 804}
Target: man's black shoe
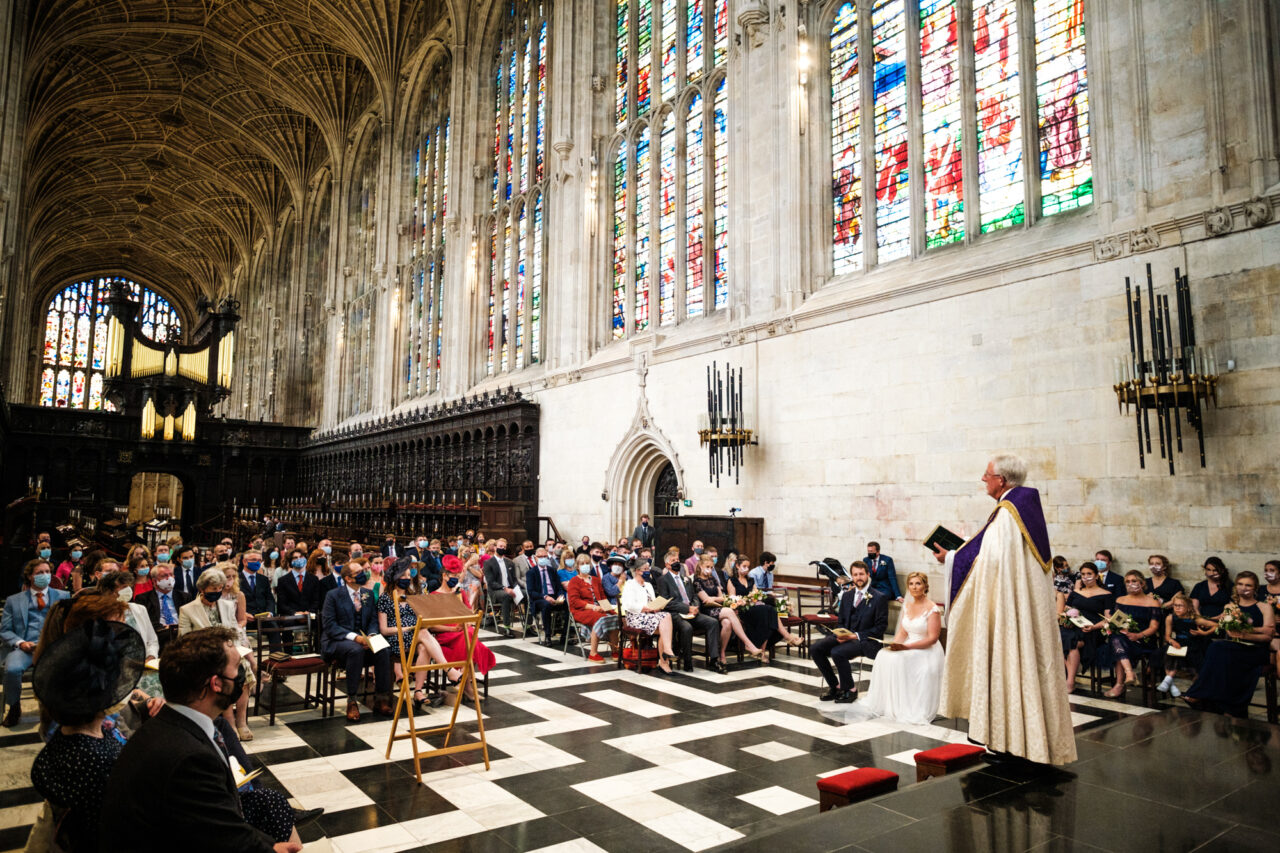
{"x": 831, "y": 693}
{"x": 846, "y": 697}
{"x": 301, "y": 818}
{"x": 13, "y": 716}
{"x": 719, "y": 667}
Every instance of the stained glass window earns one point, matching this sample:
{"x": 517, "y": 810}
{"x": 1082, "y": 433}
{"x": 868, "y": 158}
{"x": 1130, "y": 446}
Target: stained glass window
{"x": 893, "y": 204}
{"x": 673, "y": 154}
{"x": 75, "y": 339}
{"x": 422, "y": 307}
{"x": 517, "y": 234}
{"x": 995, "y": 47}
{"x": 941, "y": 114}
{"x": 846, "y": 146}
{"x": 1062, "y": 100}
{"x": 992, "y": 138}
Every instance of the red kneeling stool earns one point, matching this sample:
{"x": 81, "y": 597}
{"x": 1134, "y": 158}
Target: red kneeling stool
{"x": 942, "y": 760}
{"x": 854, "y": 785}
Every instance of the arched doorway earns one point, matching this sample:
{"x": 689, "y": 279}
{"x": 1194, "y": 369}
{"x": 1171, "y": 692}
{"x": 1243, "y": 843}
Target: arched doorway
{"x": 154, "y": 494}
{"x": 632, "y": 480}
{"x": 666, "y": 492}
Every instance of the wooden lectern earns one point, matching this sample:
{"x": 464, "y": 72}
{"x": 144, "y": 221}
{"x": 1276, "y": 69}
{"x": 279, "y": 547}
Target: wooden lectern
{"x": 435, "y": 611}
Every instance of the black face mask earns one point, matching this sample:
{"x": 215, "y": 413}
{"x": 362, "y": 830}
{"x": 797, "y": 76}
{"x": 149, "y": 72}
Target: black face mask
{"x": 502, "y": 552}
{"x": 211, "y": 596}
{"x": 529, "y": 552}
{"x": 403, "y": 581}
{"x": 226, "y": 700}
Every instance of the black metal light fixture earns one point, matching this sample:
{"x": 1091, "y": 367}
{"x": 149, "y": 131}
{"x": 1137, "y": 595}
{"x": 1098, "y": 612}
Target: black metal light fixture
{"x": 724, "y": 430}
{"x": 168, "y": 384}
{"x": 1164, "y": 376}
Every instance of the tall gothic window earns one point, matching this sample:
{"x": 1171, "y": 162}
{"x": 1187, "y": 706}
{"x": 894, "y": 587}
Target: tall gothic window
{"x": 357, "y": 336}
{"x": 429, "y": 173}
{"x": 670, "y": 203}
{"x": 916, "y": 74}
{"x": 516, "y": 232}
{"x": 75, "y": 339}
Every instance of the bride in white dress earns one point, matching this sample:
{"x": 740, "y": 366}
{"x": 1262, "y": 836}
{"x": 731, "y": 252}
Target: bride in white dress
{"x": 906, "y": 683}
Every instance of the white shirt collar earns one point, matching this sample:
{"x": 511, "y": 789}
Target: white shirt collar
{"x": 200, "y": 719}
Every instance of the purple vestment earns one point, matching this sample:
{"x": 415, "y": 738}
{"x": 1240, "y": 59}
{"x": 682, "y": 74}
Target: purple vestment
{"x": 1024, "y": 503}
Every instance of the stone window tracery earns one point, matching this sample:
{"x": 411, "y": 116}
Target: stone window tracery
{"x": 428, "y": 179}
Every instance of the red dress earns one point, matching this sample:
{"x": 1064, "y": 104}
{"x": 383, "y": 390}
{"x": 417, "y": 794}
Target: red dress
{"x": 454, "y": 646}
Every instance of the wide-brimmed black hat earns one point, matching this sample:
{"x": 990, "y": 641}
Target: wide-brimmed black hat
{"x": 618, "y": 558}
{"x": 89, "y": 669}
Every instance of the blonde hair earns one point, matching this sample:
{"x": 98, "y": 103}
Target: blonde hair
{"x": 924, "y": 579}
{"x": 581, "y": 560}
{"x": 1186, "y": 600}
{"x": 232, "y": 576}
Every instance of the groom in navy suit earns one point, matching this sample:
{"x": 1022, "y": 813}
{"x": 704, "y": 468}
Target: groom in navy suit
{"x": 865, "y": 613}
{"x": 348, "y": 618}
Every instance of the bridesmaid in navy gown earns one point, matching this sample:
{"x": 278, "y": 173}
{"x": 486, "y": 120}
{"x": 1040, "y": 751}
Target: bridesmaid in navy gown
{"x": 1080, "y": 645}
{"x": 1162, "y": 586}
{"x": 1128, "y": 646}
{"x": 1210, "y": 596}
{"x": 1229, "y": 675}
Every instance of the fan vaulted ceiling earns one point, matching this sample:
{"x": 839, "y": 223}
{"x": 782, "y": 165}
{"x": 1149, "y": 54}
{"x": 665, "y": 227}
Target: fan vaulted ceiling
{"x": 168, "y": 136}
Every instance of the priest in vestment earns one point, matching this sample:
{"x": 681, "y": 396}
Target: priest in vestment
{"x": 1004, "y": 655}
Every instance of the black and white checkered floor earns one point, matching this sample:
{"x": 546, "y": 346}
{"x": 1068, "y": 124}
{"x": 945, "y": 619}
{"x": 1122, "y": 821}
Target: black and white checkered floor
{"x": 584, "y": 758}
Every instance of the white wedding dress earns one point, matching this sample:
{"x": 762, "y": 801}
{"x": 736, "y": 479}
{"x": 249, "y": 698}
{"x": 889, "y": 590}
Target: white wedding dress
{"x": 905, "y": 685}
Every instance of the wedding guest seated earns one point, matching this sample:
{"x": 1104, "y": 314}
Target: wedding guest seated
{"x": 864, "y": 613}
{"x": 1064, "y": 580}
{"x": 408, "y": 582}
{"x": 1139, "y": 639}
{"x": 348, "y": 616}
{"x": 178, "y": 756}
{"x": 79, "y": 677}
{"x": 614, "y": 574}
{"x": 591, "y": 608}
{"x": 1229, "y": 674}
{"x": 1160, "y": 584}
{"x": 211, "y": 609}
{"x": 636, "y": 598}
{"x": 546, "y": 595}
{"x": 568, "y": 566}
{"x": 453, "y": 646}
{"x": 760, "y": 619}
{"x": 1214, "y": 592}
{"x": 1270, "y": 593}
{"x": 1178, "y": 626}
{"x": 686, "y": 614}
{"x": 1080, "y": 643}
{"x": 162, "y": 604}
{"x": 24, "y": 615}
{"x": 907, "y": 682}
{"x": 762, "y": 575}
{"x": 712, "y": 593}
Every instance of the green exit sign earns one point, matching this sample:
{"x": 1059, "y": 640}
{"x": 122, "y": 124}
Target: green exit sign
{"x": 687, "y": 502}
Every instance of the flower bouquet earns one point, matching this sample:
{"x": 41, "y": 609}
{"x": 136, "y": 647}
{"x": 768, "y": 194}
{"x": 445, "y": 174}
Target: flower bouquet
{"x": 1234, "y": 619}
{"x": 1064, "y": 618}
{"x": 783, "y": 604}
{"x": 1119, "y": 623}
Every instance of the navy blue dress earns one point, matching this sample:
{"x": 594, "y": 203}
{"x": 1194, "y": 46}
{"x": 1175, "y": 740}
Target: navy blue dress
{"x": 1182, "y": 633}
{"x": 1230, "y": 671}
{"x": 1094, "y": 609}
{"x": 1122, "y": 648}
{"x": 1210, "y": 605}
{"x": 1167, "y": 590}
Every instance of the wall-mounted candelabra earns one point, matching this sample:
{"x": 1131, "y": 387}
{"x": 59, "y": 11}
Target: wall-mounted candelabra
{"x": 724, "y": 429}
{"x": 1164, "y": 375}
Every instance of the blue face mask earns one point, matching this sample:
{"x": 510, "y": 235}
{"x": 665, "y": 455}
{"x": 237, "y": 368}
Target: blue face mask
{"x": 75, "y": 555}
{"x": 413, "y": 572}
{"x": 41, "y": 580}
{"x": 189, "y": 563}
{"x": 1101, "y": 564}
{"x": 453, "y": 582}
{"x": 163, "y": 556}
{"x": 362, "y": 578}
{"x": 275, "y": 555}
{"x": 328, "y": 549}
{"x": 143, "y": 571}
{"x": 299, "y": 563}
{"x": 252, "y": 566}
{"x": 44, "y": 553}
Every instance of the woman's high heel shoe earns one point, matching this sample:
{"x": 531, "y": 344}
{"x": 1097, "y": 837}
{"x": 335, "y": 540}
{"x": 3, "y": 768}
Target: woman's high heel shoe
{"x": 793, "y": 640}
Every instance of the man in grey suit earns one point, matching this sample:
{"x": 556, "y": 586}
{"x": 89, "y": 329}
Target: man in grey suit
{"x": 644, "y": 532}
{"x": 683, "y": 602}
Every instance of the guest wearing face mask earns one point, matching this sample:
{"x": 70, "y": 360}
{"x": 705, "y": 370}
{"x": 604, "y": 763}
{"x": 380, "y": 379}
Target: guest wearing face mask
{"x": 546, "y": 595}
{"x": 140, "y": 567}
{"x": 1128, "y": 646}
{"x": 391, "y": 548}
{"x": 185, "y": 574}
{"x": 24, "y": 615}
{"x": 44, "y": 547}
{"x": 500, "y": 580}
{"x": 296, "y": 589}
{"x": 428, "y": 648}
{"x": 614, "y": 575}
{"x": 348, "y": 618}
{"x": 212, "y": 610}
{"x": 72, "y": 563}
{"x": 1214, "y": 592}
{"x": 164, "y": 553}
{"x": 177, "y": 753}
{"x": 255, "y": 586}
{"x": 162, "y": 604}
{"x": 1109, "y": 580}
{"x": 691, "y": 564}
{"x": 432, "y": 565}
{"x": 1160, "y": 584}
{"x": 121, "y": 585}
{"x": 272, "y": 566}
